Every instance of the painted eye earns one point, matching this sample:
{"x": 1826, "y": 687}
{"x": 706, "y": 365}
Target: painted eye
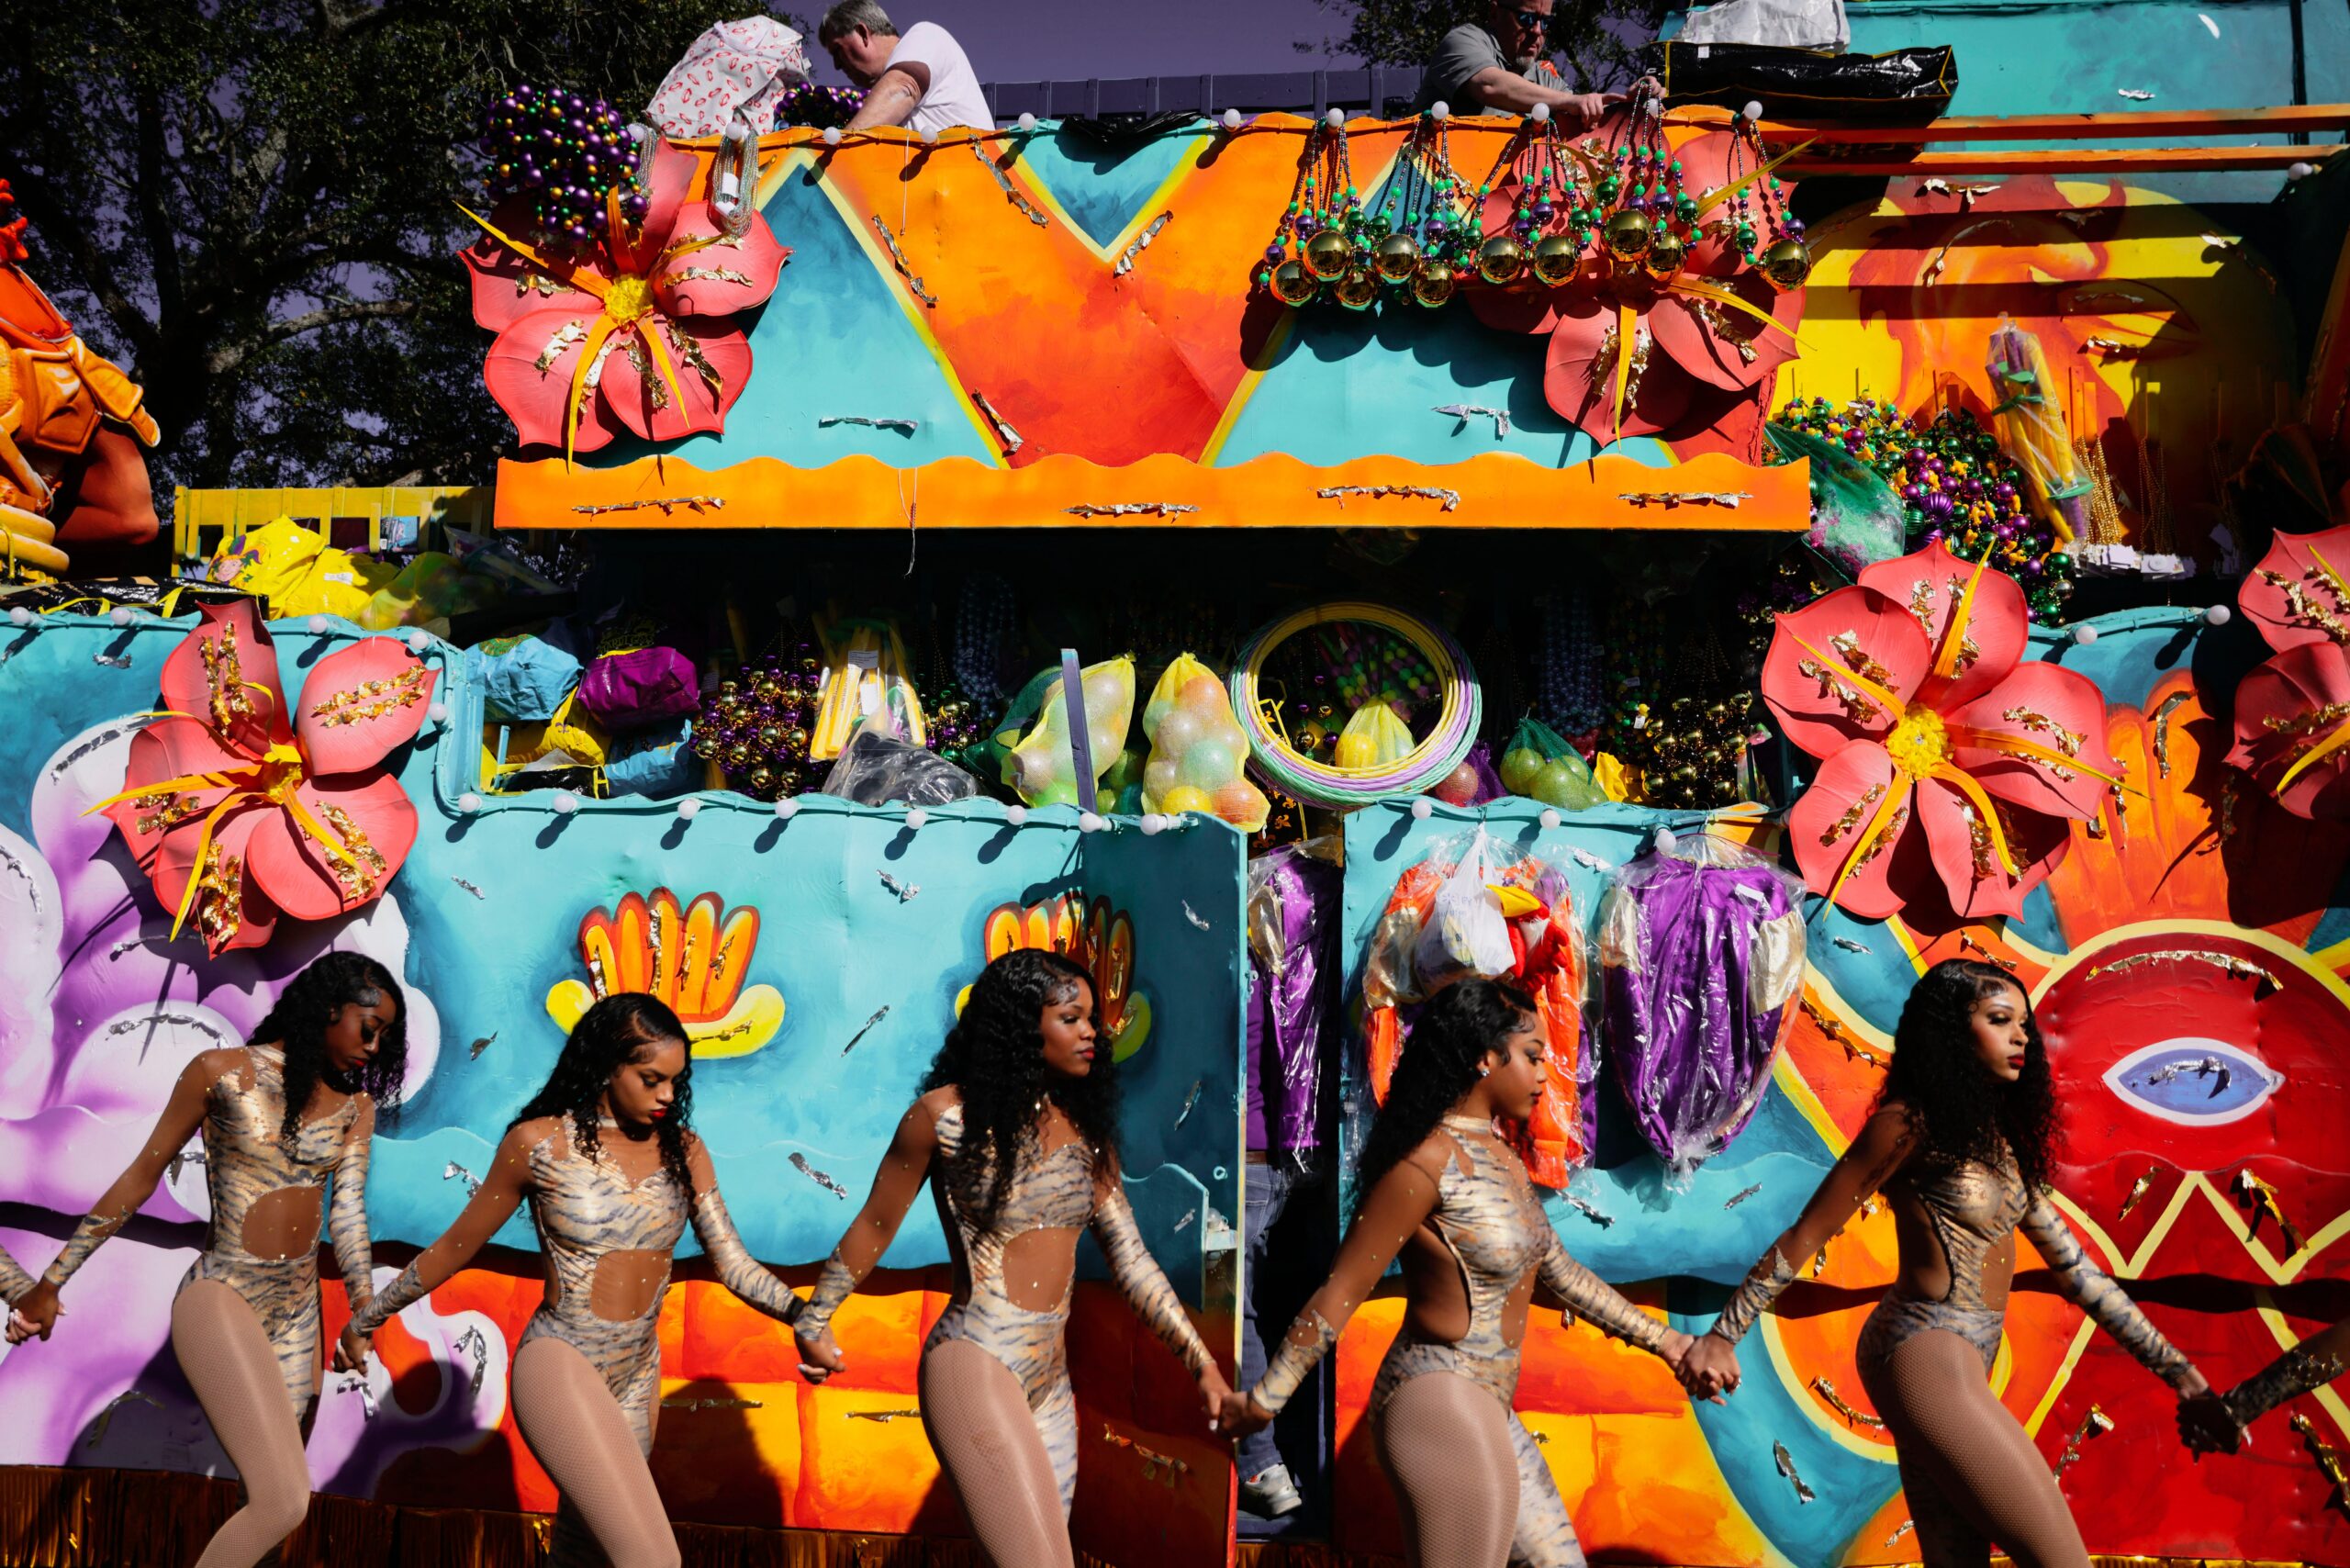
{"x": 2193, "y": 1081}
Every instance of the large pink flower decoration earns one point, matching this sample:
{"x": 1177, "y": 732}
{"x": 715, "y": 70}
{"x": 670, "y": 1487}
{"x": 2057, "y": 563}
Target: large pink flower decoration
{"x": 2293, "y": 712}
{"x": 632, "y": 335}
{"x": 236, "y": 815}
{"x": 1911, "y": 690}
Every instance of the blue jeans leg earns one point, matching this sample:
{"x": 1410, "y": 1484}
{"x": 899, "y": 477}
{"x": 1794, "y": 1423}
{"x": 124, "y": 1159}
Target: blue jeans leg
{"x": 1266, "y": 1194}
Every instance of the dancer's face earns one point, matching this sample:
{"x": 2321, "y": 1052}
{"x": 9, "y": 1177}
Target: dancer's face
{"x": 1521, "y": 1067}
{"x": 642, "y": 1089}
{"x": 1067, "y": 1025}
{"x": 356, "y": 1029}
{"x": 1997, "y": 1022}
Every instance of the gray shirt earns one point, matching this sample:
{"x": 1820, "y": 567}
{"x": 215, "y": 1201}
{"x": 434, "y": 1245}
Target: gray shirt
{"x": 1464, "y": 52}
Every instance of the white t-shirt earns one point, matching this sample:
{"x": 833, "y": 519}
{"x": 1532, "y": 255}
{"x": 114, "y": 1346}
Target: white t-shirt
{"x": 954, "y": 98}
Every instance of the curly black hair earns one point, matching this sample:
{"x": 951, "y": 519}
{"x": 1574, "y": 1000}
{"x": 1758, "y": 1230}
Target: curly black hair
{"x": 298, "y": 1024}
{"x": 995, "y": 1057}
{"x": 1960, "y": 1109}
{"x": 609, "y": 1036}
{"x": 1451, "y": 1036}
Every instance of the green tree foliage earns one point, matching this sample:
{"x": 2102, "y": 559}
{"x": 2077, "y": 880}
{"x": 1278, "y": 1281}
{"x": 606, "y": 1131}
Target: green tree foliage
{"x": 249, "y": 203}
{"x": 1594, "y": 40}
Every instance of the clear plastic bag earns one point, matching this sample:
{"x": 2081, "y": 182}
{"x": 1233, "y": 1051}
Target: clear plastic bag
{"x": 1466, "y": 933}
{"x": 1196, "y": 751}
{"x": 1540, "y": 765}
{"x": 1701, "y": 951}
{"x": 1784, "y": 24}
{"x": 1374, "y": 736}
{"x": 876, "y": 766}
{"x": 1043, "y": 767}
{"x": 2032, "y": 426}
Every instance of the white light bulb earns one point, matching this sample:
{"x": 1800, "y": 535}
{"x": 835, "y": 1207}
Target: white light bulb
{"x": 1090, "y": 821}
{"x": 917, "y": 820}
{"x": 1153, "y": 824}
{"x": 565, "y": 802}
{"x": 1541, "y": 114}
{"x": 1335, "y": 119}
{"x": 1422, "y": 810}
{"x": 469, "y": 802}
{"x": 1232, "y": 119}
{"x": 21, "y": 616}
{"x": 929, "y": 133}
{"x": 418, "y": 642}
{"x": 785, "y": 809}
{"x": 2219, "y": 615}
{"x": 2084, "y": 635}
{"x": 1440, "y": 110}
{"x": 1666, "y": 840}
{"x": 1015, "y": 816}
{"x": 688, "y": 808}
{"x": 832, "y": 135}
{"x": 1549, "y": 821}
{"x": 119, "y": 615}
{"x": 1027, "y": 124}
{"x": 1752, "y": 112}
{"x": 2300, "y": 171}
{"x": 437, "y": 713}
{"x": 317, "y": 625}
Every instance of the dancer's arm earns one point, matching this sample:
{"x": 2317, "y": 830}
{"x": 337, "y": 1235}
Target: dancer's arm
{"x": 1146, "y": 1285}
{"x": 1602, "y": 1306}
{"x": 2220, "y": 1423}
{"x": 354, "y": 1258}
{"x": 183, "y": 1114}
{"x": 494, "y": 1202}
{"x": 714, "y": 1228}
{"x": 1886, "y": 1143}
{"x": 904, "y": 1169}
{"x": 2090, "y": 1288}
{"x": 14, "y": 1281}
{"x": 1402, "y": 1202}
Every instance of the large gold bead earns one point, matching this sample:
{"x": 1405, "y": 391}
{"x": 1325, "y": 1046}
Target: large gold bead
{"x": 1434, "y": 282}
{"x": 1292, "y": 285}
{"x": 1667, "y": 250}
{"x": 1787, "y": 264}
{"x": 1501, "y": 258}
{"x": 1358, "y": 289}
{"x": 1328, "y": 253}
{"x": 1396, "y": 256}
{"x": 1630, "y": 233}
{"x": 1556, "y": 257}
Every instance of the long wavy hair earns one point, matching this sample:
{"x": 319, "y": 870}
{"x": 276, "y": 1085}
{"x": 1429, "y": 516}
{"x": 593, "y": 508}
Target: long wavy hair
{"x": 613, "y": 1033}
{"x": 1454, "y": 1031}
{"x": 298, "y": 1024}
{"x": 1960, "y": 1108}
{"x": 995, "y": 1057}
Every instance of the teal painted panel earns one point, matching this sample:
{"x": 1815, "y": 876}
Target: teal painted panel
{"x": 833, "y": 339}
{"x": 1103, "y": 188}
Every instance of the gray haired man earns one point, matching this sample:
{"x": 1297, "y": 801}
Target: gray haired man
{"x": 923, "y": 80}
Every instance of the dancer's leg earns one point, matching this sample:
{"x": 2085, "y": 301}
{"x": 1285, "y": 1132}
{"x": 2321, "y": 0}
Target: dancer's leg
{"x": 988, "y": 1441}
{"x": 235, "y": 1371}
{"x": 1545, "y": 1537}
{"x": 1446, "y": 1444}
{"x": 579, "y": 1434}
{"x": 1985, "y": 1482}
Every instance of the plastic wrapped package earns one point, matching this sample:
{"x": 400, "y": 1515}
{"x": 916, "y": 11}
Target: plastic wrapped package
{"x": 1783, "y": 24}
{"x": 1043, "y": 766}
{"x": 1293, "y": 898}
{"x": 1197, "y": 752}
{"x": 1856, "y": 519}
{"x": 1541, "y": 766}
{"x": 517, "y": 757}
{"x": 522, "y": 679}
{"x": 640, "y": 687}
{"x": 1375, "y": 735}
{"x": 1701, "y": 952}
{"x": 2032, "y": 427}
{"x": 878, "y": 766}
{"x": 864, "y": 676}
{"x": 655, "y": 763}
{"x": 298, "y": 572}
{"x": 427, "y": 591}
{"x": 1904, "y": 84}
{"x": 1544, "y": 958}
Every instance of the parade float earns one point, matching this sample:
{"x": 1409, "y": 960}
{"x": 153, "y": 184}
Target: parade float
{"x": 918, "y": 548}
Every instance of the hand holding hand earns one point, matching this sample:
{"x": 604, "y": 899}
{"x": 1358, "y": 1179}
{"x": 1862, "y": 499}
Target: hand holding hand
{"x": 821, "y": 1356}
{"x": 350, "y": 1350}
{"x": 1242, "y": 1416}
{"x": 2206, "y": 1425}
{"x": 1709, "y": 1369}
{"x": 1215, "y": 1394}
{"x": 36, "y": 1314}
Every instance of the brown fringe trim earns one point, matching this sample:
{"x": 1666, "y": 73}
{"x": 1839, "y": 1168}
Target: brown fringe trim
{"x": 134, "y": 1518}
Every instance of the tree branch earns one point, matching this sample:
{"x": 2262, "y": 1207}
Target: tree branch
{"x": 335, "y": 315}
{"x": 154, "y": 220}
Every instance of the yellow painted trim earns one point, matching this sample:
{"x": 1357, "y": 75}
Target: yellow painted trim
{"x": 1790, "y": 1083}
{"x": 1808, "y": 1403}
{"x": 1825, "y": 994}
{"x": 1212, "y": 453}
{"x": 2301, "y": 958}
{"x": 1157, "y": 202}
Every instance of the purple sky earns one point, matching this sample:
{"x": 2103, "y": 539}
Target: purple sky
{"x": 1034, "y": 40}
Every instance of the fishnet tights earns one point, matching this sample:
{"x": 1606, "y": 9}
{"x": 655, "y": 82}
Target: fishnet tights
{"x": 233, "y": 1367}
{"x": 1446, "y": 1444}
{"x": 986, "y": 1440}
{"x": 576, "y": 1432}
{"x": 1971, "y": 1474}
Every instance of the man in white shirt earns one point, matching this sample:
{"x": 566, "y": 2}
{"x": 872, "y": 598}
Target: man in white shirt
{"x": 922, "y": 81}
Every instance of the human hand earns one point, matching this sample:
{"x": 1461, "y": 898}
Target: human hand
{"x": 2206, "y": 1425}
{"x": 1215, "y": 1396}
{"x": 35, "y": 1314}
{"x": 819, "y": 1357}
{"x": 1581, "y": 111}
{"x": 1710, "y": 1368}
{"x": 350, "y": 1349}
{"x": 1242, "y": 1416}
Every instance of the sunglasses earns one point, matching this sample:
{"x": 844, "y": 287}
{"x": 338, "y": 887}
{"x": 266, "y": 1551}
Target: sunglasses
{"x": 1533, "y": 21}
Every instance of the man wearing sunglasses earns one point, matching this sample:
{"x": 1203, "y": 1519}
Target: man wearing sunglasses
{"x": 1502, "y": 65}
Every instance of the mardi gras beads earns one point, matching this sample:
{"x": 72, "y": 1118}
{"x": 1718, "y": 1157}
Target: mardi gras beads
{"x": 755, "y": 724}
{"x": 561, "y": 155}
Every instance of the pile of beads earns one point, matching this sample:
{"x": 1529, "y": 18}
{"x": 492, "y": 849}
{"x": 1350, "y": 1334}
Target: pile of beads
{"x": 561, "y": 154}
{"x": 1567, "y": 683}
{"x": 1369, "y": 665}
{"x": 755, "y": 724}
{"x": 811, "y": 104}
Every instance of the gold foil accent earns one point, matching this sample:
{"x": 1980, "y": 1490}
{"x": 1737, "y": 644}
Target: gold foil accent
{"x": 2241, "y": 968}
{"x": 373, "y": 699}
{"x": 2325, "y": 716}
{"x": 219, "y": 898}
{"x": 2096, "y": 1424}
{"x": 365, "y": 865}
{"x": 1166, "y": 1469}
{"x": 2138, "y": 1190}
{"x": 1856, "y": 658}
{"x": 1826, "y": 1389}
{"x": 708, "y": 275}
{"x": 2302, "y": 607}
{"x": 2329, "y": 1460}
{"x": 1852, "y": 813}
{"x": 2162, "y": 730}
{"x": 570, "y": 332}
{"x": 2062, "y": 739}
{"x": 1967, "y": 942}
{"x": 2253, "y": 1193}
{"x": 1857, "y": 708}
{"x": 224, "y": 674}
{"x": 688, "y": 353}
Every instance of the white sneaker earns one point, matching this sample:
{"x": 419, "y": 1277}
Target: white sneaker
{"x": 1270, "y": 1493}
